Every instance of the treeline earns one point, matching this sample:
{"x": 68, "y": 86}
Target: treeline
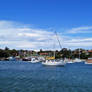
{"x": 68, "y": 53}
{"x": 4, "y": 53}
{"x": 63, "y": 53}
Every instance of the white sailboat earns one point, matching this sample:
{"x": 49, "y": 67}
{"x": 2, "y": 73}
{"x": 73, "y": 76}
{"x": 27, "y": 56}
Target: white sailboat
{"x": 69, "y": 61}
{"x": 54, "y": 62}
{"x": 78, "y": 59}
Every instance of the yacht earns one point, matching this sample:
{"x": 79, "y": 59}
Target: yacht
{"x": 77, "y": 60}
{"x": 53, "y": 63}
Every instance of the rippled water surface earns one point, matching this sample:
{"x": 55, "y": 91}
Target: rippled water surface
{"x": 28, "y": 77}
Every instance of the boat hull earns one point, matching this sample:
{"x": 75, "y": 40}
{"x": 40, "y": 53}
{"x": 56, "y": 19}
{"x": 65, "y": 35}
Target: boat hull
{"x": 53, "y": 63}
{"x": 70, "y": 62}
{"x": 89, "y": 61}
{"x": 34, "y": 61}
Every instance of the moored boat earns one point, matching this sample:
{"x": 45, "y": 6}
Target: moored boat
{"x": 77, "y": 60}
{"x": 12, "y": 59}
{"x": 70, "y": 61}
{"x": 34, "y": 60}
{"x": 88, "y": 61}
{"x": 31, "y": 59}
{"x": 53, "y": 63}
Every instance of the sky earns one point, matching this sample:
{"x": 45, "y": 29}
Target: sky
{"x": 30, "y": 24}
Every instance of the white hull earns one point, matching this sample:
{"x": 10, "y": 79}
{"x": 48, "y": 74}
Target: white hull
{"x": 53, "y": 63}
{"x": 87, "y": 63}
{"x": 77, "y": 60}
{"x": 33, "y": 60}
{"x": 36, "y": 61}
{"x": 70, "y": 62}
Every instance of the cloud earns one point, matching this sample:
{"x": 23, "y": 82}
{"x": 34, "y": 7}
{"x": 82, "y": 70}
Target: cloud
{"x": 81, "y": 30}
{"x": 83, "y": 42}
{"x": 21, "y": 36}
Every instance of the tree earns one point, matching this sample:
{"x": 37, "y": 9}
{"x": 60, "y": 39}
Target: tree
{"x": 6, "y": 48}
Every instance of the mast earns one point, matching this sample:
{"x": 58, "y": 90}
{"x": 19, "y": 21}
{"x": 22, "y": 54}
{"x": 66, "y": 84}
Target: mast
{"x": 54, "y": 50}
{"x": 58, "y": 40}
{"x": 79, "y": 53}
{"x": 54, "y": 54}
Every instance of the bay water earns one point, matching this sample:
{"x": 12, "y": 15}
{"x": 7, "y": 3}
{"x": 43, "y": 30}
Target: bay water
{"x": 20, "y": 76}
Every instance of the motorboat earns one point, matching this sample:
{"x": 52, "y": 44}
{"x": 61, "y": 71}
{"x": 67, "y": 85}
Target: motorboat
{"x": 12, "y": 59}
{"x": 34, "y": 60}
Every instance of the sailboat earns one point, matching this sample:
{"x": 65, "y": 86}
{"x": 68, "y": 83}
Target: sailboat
{"x": 69, "y": 60}
{"x": 78, "y": 59}
{"x": 51, "y": 62}
{"x": 54, "y": 62}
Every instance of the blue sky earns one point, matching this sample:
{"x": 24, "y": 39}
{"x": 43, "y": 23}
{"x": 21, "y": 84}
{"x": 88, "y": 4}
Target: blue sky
{"x": 70, "y": 18}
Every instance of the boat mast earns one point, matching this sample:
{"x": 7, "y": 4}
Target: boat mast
{"x": 79, "y": 53}
{"x": 58, "y": 40}
{"x": 54, "y": 50}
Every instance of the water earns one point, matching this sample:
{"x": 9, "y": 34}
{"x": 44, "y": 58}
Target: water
{"x": 28, "y": 77}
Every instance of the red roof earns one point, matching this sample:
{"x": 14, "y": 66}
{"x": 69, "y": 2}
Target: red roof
{"x": 90, "y": 51}
{"x": 43, "y": 53}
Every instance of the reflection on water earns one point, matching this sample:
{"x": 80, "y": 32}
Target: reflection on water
{"x": 28, "y": 77}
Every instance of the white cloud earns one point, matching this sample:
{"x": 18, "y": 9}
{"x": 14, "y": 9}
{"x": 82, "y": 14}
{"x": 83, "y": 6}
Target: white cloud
{"x": 20, "y": 36}
{"x": 83, "y": 42}
{"x": 81, "y": 30}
